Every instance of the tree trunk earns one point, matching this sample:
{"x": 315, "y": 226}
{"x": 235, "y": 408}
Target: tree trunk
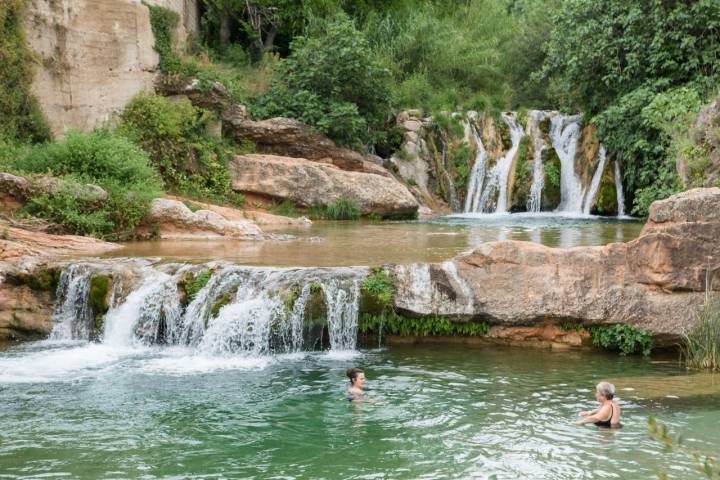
{"x": 224, "y": 28}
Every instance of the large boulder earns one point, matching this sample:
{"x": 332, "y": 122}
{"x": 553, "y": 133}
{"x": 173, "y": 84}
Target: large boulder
{"x": 290, "y": 138}
{"x": 310, "y": 184}
{"x": 655, "y": 282}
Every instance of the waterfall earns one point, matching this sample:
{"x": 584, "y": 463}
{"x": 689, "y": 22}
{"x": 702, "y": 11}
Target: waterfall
{"x": 249, "y": 311}
{"x": 494, "y": 191}
{"x": 477, "y": 174}
{"x": 534, "y": 202}
{"x": 595, "y": 183}
{"x": 73, "y": 315}
{"x": 564, "y": 134}
{"x": 619, "y": 189}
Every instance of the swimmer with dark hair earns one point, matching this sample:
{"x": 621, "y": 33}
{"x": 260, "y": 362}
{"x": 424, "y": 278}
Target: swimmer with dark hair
{"x": 357, "y": 381}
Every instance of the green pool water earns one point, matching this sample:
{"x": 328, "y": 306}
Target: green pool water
{"x": 79, "y": 410}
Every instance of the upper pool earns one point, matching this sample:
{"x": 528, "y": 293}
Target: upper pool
{"x": 377, "y": 243}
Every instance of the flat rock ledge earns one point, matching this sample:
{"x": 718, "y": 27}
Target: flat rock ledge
{"x": 172, "y": 219}
{"x": 656, "y": 282}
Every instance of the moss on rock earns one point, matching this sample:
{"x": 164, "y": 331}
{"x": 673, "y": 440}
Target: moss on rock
{"x": 44, "y": 280}
{"x": 551, "y": 188}
{"x": 99, "y": 300}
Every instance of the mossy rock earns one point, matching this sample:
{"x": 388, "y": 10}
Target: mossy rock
{"x": 551, "y": 188}
{"x": 606, "y": 201}
{"x": 44, "y": 280}
{"x": 505, "y": 137}
{"x": 222, "y": 300}
{"x": 544, "y": 126}
{"x": 523, "y": 175}
{"x": 99, "y": 301}
{"x": 289, "y": 297}
{"x": 190, "y": 284}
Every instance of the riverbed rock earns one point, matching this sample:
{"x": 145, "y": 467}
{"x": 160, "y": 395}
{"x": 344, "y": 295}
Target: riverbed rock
{"x": 655, "y": 282}
{"x": 311, "y": 184}
{"x": 173, "y": 219}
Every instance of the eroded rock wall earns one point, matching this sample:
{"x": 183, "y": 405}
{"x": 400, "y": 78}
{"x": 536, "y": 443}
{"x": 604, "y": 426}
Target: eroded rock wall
{"x": 94, "y": 56}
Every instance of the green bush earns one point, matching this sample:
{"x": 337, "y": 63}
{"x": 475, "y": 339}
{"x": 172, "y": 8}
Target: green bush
{"x": 286, "y": 208}
{"x": 332, "y": 82}
{"x": 625, "y": 338}
{"x": 108, "y": 160}
{"x": 342, "y": 209}
{"x": 21, "y": 118}
{"x": 380, "y": 286}
{"x": 174, "y": 133}
{"x": 391, "y": 323}
{"x": 701, "y": 344}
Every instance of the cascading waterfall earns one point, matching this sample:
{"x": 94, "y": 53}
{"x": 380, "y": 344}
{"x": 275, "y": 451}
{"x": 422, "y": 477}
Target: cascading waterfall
{"x": 241, "y": 310}
{"x": 477, "y": 174}
{"x": 595, "y": 183}
{"x": 487, "y": 188}
{"x": 619, "y": 189}
{"x": 494, "y": 191}
{"x": 73, "y": 314}
{"x": 564, "y": 134}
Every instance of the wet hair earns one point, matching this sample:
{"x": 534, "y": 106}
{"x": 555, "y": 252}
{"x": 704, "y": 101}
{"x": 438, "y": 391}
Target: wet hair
{"x": 352, "y": 374}
{"x": 606, "y": 389}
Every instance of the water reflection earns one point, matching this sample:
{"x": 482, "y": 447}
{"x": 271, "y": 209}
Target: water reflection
{"x": 365, "y": 243}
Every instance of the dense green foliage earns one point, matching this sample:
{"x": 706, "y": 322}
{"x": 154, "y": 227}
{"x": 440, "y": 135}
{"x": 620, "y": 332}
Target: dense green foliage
{"x": 625, "y": 338}
{"x": 20, "y": 116}
{"x": 333, "y": 82}
{"x": 101, "y": 158}
{"x": 612, "y": 59}
{"x": 701, "y": 344}
{"x": 380, "y": 286}
{"x": 174, "y": 133}
{"x": 194, "y": 285}
{"x": 341, "y": 209}
{"x": 392, "y": 323}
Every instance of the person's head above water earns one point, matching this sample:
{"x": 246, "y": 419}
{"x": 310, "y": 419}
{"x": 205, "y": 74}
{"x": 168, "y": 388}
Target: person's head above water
{"x": 604, "y": 391}
{"x": 356, "y": 376}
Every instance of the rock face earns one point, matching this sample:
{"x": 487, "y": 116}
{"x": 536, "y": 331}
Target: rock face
{"x": 310, "y": 184}
{"x": 95, "y": 56}
{"x": 24, "y": 313}
{"x": 290, "y": 138}
{"x": 655, "y": 282}
{"x": 705, "y": 137}
{"x": 173, "y": 219}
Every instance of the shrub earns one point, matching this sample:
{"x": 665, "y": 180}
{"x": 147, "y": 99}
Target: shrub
{"x": 625, "y": 338}
{"x": 110, "y": 161}
{"x": 701, "y": 344}
{"x": 286, "y": 208}
{"x": 175, "y": 136}
{"x": 391, "y": 323}
{"x": 22, "y": 118}
{"x": 342, "y": 209}
{"x": 333, "y": 82}
{"x": 380, "y": 286}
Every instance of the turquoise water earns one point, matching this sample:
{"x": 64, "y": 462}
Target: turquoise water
{"x": 81, "y": 410}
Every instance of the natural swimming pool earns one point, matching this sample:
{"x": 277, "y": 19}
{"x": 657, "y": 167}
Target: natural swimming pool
{"x": 84, "y": 410}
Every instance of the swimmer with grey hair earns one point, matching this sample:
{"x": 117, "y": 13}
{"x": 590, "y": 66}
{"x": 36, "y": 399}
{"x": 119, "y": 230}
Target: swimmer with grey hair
{"x": 607, "y": 415}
